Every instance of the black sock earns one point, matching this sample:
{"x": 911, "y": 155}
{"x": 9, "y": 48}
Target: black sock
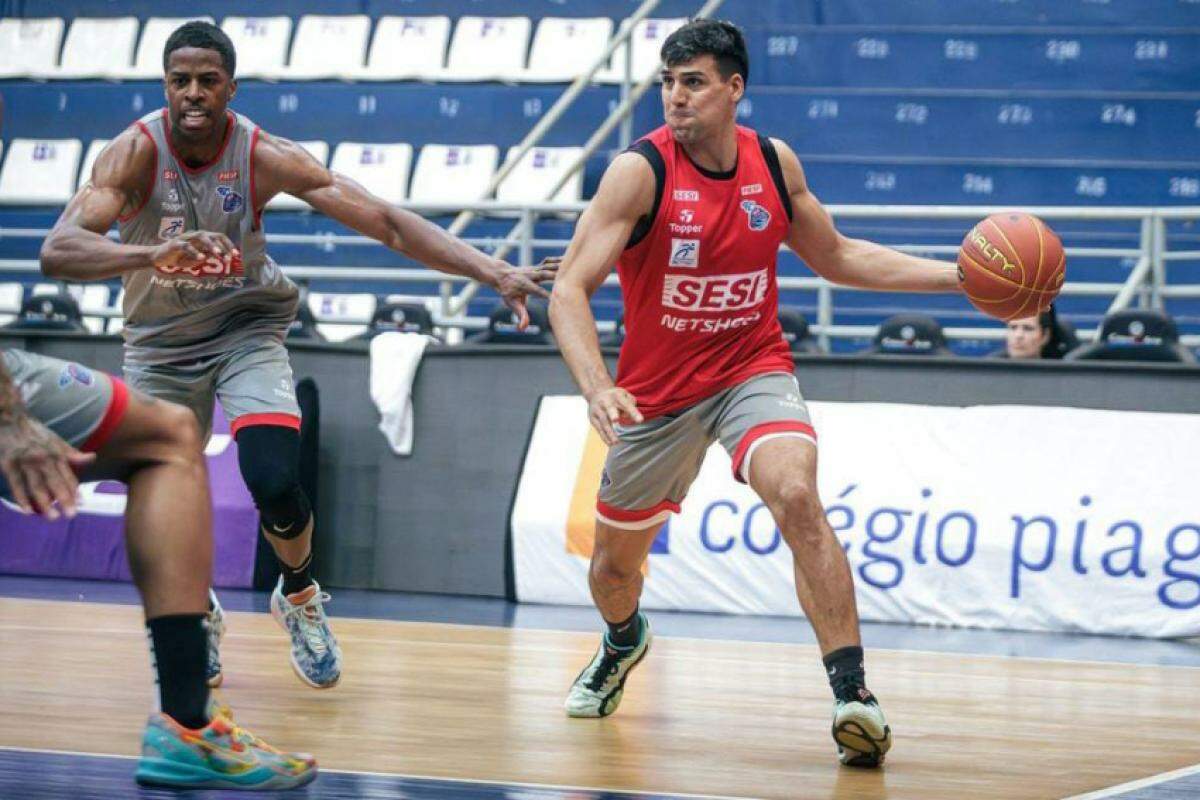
{"x": 178, "y": 654}
{"x": 626, "y": 633}
{"x": 847, "y": 676}
{"x": 297, "y": 579}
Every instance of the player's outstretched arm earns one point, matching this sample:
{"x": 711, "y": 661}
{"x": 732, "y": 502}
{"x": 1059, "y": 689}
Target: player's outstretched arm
{"x": 38, "y": 466}
{"x": 852, "y": 262}
{"x": 626, "y": 193}
{"x": 284, "y": 166}
{"x": 78, "y": 248}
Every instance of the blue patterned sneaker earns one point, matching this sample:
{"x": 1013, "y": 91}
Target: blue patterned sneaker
{"x": 218, "y": 756}
{"x": 862, "y": 734}
{"x": 316, "y": 657}
{"x": 214, "y": 625}
{"x": 598, "y": 690}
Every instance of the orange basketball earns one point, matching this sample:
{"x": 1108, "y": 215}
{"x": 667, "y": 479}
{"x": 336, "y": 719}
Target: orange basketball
{"x": 1011, "y": 266}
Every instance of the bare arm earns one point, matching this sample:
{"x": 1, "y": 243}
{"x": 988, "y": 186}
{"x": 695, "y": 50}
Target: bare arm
{"x": 78, "y": 248}
{"x": 626, "y": 193}
{"x": 284, "y": 166}
{"x": 38, "y": 466}
{"x": 852, "y": 262}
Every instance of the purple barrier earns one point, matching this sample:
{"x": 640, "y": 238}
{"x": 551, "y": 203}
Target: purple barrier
{"x": 93, "y": 544}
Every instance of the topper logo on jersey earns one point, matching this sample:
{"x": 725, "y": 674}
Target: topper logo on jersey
{"x": 685, "y": 253}
{"x": 715, "y": 293}
{"x": 231, "y": 201}
{"x": 757, "y": 216}
{"x": 685, "y": 227}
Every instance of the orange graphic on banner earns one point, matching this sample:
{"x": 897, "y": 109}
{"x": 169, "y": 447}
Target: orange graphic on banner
{"x": 581, "y": 518}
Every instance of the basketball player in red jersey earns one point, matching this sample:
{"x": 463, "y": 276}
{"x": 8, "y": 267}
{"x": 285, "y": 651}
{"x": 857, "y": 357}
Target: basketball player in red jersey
{"x": 693, "y": 216}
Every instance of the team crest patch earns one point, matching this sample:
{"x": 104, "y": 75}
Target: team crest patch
{"x": 685, "y": 253}
{"x": 73, "y": 373}
{"x": 757, "y": 216}
{"x": 231, "y": 201}
{"x": 170, "y": 227}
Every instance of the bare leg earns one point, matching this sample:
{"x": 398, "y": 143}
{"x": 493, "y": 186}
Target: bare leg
{"x": 784, "y": 474}
{"x": 168, "y": 519}
{"x": 615, "y": 576}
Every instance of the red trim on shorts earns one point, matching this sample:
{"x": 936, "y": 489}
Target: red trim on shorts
{"x": 230, "y": 124}
{"x": 765, "y": 429}
{"x": 153, "y": 176}
{"x": 623, "y": 515}
{"x": 280, "y": 420}
{"x": 254, "y": 209}
{"x": 112, "y": 418}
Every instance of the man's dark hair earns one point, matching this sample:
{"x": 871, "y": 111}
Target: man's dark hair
{"x": 206, "y": 36}
{"x": 721, "y": 40}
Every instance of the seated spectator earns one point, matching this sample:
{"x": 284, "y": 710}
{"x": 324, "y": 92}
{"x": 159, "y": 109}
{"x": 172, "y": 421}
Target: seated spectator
{"x": 1043, "y": 335}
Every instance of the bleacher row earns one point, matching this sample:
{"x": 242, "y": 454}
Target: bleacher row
{"x": 1125, "y": 335}
{"x": 519, "y": 49}
{"x": 47, "y": 172}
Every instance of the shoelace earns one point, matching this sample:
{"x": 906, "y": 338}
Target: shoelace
{"x": 222, "y": 712}
{"x": 608, "y": 665}
{"x": 310, "y": 616}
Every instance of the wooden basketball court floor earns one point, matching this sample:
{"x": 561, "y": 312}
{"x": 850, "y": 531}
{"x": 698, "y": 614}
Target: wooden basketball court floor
{"x": 439, "y": 710}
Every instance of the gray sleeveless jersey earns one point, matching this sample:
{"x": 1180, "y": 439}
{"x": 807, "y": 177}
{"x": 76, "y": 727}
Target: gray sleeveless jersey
{"x": 199, "y": 312}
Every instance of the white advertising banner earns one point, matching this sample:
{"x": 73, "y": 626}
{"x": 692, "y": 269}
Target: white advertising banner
{"x": 1020, "y": 517}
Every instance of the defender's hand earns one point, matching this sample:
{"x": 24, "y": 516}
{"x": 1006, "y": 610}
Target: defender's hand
{"x": 610, "y": 407}
{"x": 40, "y": 468}
{"x": 515, "y": 284}
{"x": 193, "y": 249}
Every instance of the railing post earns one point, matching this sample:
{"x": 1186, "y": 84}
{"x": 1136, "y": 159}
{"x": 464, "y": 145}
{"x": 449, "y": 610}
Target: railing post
{"x": 528, "y": 221}
{"x": 824, "y": 314}
{"x": 1158, "y": 261}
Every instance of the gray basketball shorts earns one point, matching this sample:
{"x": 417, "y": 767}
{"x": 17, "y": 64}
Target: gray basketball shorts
{"x": 253, "y": 382}
{"x": 649, "y": 471}
{"x": 80, "y": 405}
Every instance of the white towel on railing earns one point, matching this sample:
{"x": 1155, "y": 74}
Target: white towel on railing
{"x": 395, "y": 358}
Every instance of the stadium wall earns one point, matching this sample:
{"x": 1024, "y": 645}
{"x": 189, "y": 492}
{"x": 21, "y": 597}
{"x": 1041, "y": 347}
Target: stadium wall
{"x": 437, "y": 521}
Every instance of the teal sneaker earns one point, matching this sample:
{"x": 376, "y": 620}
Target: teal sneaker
{"x": 316, "y": 657}
{"x": 214, "y": 627}
{"x": 218, "y": 756}
{"x": 860, "y": 730}
{"x": 598, "y": 689}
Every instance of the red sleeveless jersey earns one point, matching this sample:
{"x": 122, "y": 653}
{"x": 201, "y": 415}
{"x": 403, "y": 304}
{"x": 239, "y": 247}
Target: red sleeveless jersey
{"x": 701, "y": 300}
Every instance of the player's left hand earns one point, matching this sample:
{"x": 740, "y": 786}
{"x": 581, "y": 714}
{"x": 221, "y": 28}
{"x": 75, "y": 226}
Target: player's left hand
{"x": 40, "y": 468}
{"x": 515, "y": 284}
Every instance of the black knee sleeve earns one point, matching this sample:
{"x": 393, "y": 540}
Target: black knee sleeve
{"x": 269, "y": 457}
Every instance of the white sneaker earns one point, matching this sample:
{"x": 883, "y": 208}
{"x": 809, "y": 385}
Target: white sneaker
{"x": 598, "y": 690}
{"x": 316, "y": 657}
{"x": 861, "y": 731}
{"x": 214, "y": 625}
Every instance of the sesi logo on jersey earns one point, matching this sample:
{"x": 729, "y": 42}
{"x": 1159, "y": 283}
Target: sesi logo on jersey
{"x": 716, "y": 293}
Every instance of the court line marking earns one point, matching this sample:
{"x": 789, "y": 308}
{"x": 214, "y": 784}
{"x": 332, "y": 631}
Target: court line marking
{"x": 479, "y": 781}
{"x": 698, "y": 639}
{"x": 1153, "y": 780}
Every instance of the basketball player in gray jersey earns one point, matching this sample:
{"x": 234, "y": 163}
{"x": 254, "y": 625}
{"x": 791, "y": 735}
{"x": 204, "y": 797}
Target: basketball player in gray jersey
{"x": 206, "y": 309}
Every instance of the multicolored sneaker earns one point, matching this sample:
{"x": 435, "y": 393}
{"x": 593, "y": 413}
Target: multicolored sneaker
{"x": 218, "y": 756}
{"x": 598, "y": 689}
{"x": 861, "y": 731}
{"x": 214, "y": 624}
{"x": 316, "y": 657}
